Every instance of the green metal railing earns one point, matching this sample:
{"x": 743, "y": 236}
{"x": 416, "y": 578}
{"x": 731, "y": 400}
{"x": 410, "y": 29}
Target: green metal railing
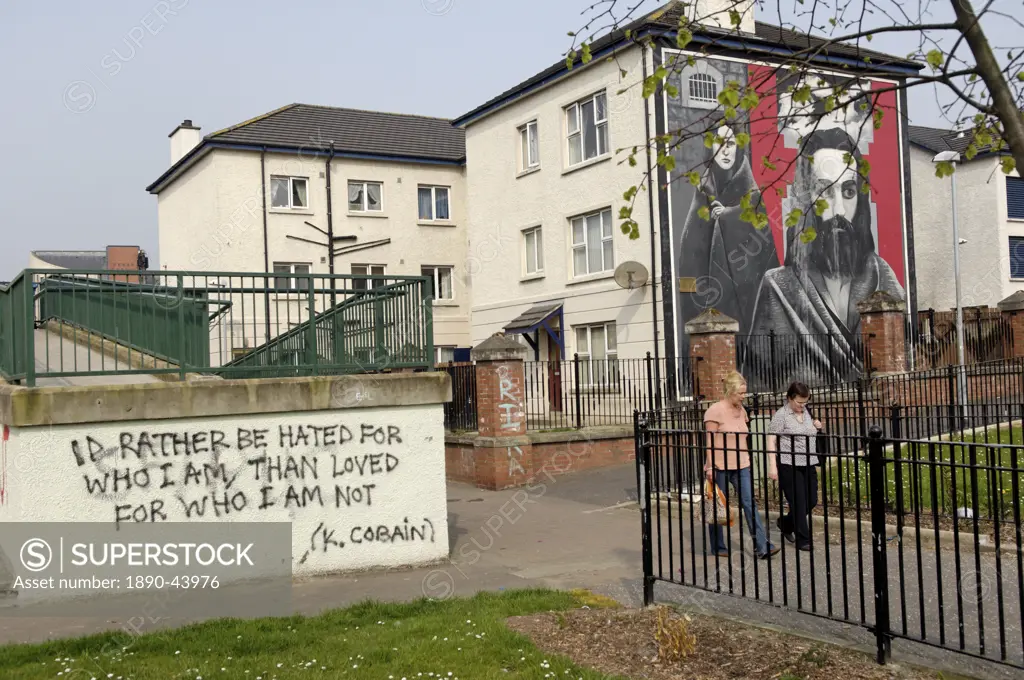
{"x": 66, "y": 323}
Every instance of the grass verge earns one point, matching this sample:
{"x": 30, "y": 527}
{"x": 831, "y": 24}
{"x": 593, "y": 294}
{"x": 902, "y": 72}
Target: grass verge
{"x": 458, "y": 638}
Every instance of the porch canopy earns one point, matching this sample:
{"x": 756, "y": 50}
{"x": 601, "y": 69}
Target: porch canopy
{"x": 547, "y": 315}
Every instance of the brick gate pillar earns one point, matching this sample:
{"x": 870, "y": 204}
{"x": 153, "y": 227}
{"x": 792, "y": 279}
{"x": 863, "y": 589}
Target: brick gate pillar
{"x": 503, "y": 452}
{"x": 712, "y": 350}
{"x": 1012, "y": 309}
{"x": 882, "y": 323}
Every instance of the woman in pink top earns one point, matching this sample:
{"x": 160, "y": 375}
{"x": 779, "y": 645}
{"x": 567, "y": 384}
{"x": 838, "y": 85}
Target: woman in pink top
{"x": 728, "y": 461}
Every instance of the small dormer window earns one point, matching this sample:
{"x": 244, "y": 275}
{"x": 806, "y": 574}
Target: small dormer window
{"x": 703, "y": 88}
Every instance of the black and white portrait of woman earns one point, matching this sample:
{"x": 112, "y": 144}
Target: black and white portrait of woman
{"x": 726, "y": 255}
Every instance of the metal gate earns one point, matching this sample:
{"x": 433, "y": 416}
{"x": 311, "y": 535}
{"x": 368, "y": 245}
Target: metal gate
{"x": 917, "y": 539}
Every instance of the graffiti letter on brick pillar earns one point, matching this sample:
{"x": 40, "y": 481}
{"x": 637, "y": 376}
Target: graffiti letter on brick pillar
{"x": 508, "y": 403}
{"x": 514, "y": 466}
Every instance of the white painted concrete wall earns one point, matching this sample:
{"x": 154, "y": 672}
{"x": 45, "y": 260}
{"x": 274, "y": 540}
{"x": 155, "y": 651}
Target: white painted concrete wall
{"x": 982, "y": 221}
{"x": 211, "y": 219}
{"x": 502, "y": 202}
{"x": 52, "y": 477}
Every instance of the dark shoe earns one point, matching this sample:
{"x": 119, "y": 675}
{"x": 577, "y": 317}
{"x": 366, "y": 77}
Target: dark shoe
{"x": 771, "y": 551}
{"x": 720, "y": 553}
{"x": 806, "y": 547}
{"x": 791, "y": 537}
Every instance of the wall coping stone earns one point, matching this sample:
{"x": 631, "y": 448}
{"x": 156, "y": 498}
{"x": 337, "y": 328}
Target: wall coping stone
{"x": 498, "y": 347}
{"x": 881, "y": 301}
{"x": 1013, "y": 303}
{"x": 712, "y": 321}
{"x": 39, "y": 406}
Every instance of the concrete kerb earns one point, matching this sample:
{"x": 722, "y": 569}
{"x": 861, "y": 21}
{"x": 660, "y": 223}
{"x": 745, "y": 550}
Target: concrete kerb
{"x": 440, "y": 584}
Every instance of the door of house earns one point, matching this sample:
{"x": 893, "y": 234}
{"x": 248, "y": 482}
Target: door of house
{"x": 554, "y": 375}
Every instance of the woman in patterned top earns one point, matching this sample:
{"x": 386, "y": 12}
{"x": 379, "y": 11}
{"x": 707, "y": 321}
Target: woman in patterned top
{"x": 792, "y": 439}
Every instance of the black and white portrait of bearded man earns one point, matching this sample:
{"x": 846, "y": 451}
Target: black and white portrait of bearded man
{"x": 831, "y": 263}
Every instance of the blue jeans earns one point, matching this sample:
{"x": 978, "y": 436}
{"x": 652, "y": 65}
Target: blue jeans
{"x": 743, "y": 485}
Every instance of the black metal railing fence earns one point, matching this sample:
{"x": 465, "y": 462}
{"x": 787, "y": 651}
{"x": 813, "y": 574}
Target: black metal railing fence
{"x": 911, "y": 538}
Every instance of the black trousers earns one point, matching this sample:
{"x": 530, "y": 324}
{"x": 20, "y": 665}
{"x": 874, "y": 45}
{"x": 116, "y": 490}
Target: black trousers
{"x": 800, "y": 486}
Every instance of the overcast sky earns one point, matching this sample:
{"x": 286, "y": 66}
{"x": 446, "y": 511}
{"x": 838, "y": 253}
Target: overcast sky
{"x": 86, "y": 112}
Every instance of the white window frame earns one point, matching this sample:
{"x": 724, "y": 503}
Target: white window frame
{"x": 529, "y": 155}
{"x": 435, "y": 269}
{"x": 574, "y": 245}
{"x": 368, "y": 271}
{"x": 437, "y": 354}
{"x": 433, "y": 203}
{"x": 704, "y": 82}
{"x": 598, "y": 373}
{"x": 291, "y": 192}
{"x": 573, "y": 114}
{"x": 538, "y": 249}
{"x": 365, "y": 207}
{"x": 290, "y": 275}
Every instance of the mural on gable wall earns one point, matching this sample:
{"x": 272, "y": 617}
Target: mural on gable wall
{"x": 779, "y": 279}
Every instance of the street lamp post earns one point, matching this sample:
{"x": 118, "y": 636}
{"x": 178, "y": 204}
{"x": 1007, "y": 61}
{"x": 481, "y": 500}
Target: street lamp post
{"x": 954, "y": 157}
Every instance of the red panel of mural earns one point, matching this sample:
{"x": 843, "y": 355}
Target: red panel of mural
{"x": 883, "y": 152}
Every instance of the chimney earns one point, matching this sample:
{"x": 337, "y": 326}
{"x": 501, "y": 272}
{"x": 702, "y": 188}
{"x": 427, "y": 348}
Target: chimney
{"x": 184, "y": 138}
{"x": 715, "y": 14}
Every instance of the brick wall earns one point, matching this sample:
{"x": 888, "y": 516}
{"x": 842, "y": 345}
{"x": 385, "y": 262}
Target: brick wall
{"x": 494, "y": 464}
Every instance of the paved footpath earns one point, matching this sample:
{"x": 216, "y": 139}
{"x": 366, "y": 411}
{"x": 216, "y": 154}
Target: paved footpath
{"x": 578, "y": 531}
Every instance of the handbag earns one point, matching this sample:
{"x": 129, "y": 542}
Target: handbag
{"x": 820, "y": 441}
{"x": 716, "y": 510}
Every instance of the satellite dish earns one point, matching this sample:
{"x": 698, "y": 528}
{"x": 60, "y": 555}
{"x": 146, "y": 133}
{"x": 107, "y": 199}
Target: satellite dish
{"x": 630, "y": 275}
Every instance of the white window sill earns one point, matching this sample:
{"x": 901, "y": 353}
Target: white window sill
{"x": 435, "y": 223}
{"x": 532, "y": 277}
{"x": 600, "y": 276}
{"x": 1019, "y": 220}
{"x": 445, "y": 303}
{"x": 587, "y": 164}
{"x": 291, "y": 211}
{"x": 292, "y": 297}
{"x": 528, "y": 171}
{"x": 367, "y": 213}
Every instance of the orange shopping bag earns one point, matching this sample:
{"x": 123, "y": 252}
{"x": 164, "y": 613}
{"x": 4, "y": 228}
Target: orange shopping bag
{"x": 716, "y": 511}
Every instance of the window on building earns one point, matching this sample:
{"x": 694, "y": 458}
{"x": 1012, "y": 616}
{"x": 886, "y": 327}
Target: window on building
{"x": 586, "y": 124}
{"x": 529, "y": 145}
{"x": 365, "y": 196}
{"x": 533, "y": 245}
{"x": 444, "y": 354}
{"x": 592, "y": 243}
{"x": 288, "y": 192}
{"x": 597, "y": 348}
{"x": 288, "y": 275}
{"x": 433, "y": 203}
{"x": 703, "y": 88}
{"x": 441, "y": 282}
{"x": 367, "y": 270}
{"x": 1017, "y": 257}
{"x": 1015, "y": 198}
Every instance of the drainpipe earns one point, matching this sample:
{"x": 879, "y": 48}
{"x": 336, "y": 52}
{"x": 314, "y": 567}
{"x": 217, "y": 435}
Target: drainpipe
{"x": 266, "y": 246}
{"x": 330, "y": 229}
{"x": 650, "y": 209}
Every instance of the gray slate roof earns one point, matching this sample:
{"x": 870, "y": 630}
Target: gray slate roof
{"x": 941, "y": 139}
{"x": 305, "y": 126}
{"x": 666, "y": 18}
{"x": 74, "y": 259}
{"x": 533, "y": 316}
